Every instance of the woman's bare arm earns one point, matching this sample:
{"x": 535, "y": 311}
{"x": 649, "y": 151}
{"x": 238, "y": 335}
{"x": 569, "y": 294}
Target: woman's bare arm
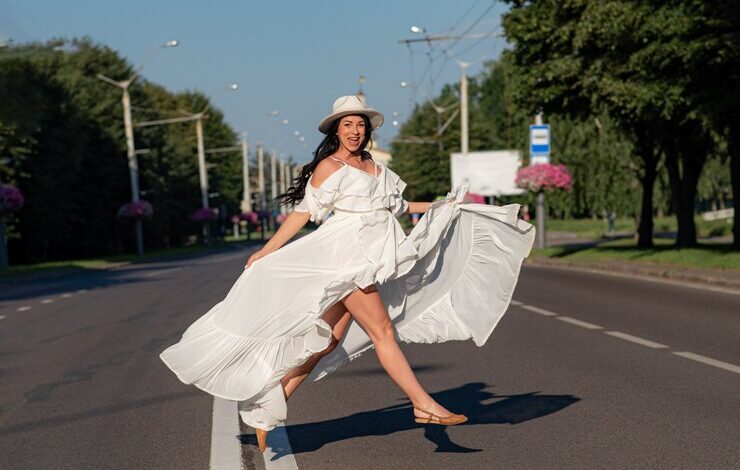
{"x": 296, "y": 219}
{"x": 288, "y": 229}
{"x": 418, "y": 207}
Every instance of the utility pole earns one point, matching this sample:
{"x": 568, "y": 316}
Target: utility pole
{"x": 464, "y": 107}
{"x": 273, "y": 185}
{"x": 464, "y": 147}
{"x": 133, "y": 164}
{"x": 540, "y": 208}
{"x": 201, "y": 161}
{"x": 282, "y": 183}
{"x": 246, "y": 205}
{"x": 273, "y": 176}
{"x": 261, "y": 175}
{"x": 198, "y": 118}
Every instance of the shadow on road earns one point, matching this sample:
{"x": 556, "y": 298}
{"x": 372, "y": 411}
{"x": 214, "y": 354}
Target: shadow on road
{"x": 13, "y": 289}
{"x": 468, "y": 399}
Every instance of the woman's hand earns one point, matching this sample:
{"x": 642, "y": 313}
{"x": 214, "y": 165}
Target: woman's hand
{"x": 255, "y": 256}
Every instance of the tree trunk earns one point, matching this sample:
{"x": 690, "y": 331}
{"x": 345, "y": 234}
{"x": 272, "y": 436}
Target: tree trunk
{"x": 647, "y": 151}
{"x": 733, "y": 146}
{"x": 685, "y": 156}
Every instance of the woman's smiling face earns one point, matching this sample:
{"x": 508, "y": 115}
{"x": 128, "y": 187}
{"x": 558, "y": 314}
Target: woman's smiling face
{"x": 351, "y": 132}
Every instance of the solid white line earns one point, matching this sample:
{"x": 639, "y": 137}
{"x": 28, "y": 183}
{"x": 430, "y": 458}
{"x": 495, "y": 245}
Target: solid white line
{"x": 516, "y": 303}
{"x": 636, "y": 339}
{"x": 541, "y": 311}
{"x": 3, "y": 317}
{"x": 47, "y": 301}
{"x": 278, "y": 439}
{"x": 581, "y": 323}
{"x": 709, "y": 361}
{"x": 66, "y": 295}
{"x": 226, "y": 450}
{"x": 23, "y": 309}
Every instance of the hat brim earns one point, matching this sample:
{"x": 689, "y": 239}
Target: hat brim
{"x": 376, "y": 118}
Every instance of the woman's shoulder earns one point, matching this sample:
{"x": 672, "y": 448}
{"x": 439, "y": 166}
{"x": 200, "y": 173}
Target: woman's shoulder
{"x": 326, "y": 168}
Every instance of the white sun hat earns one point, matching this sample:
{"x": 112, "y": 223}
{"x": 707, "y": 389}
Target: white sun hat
{"x": 351, "y": 104}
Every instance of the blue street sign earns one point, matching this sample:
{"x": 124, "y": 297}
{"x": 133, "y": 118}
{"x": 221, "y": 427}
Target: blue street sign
{"x": 539, "y": 140}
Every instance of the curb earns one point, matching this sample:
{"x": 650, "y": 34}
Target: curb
{"x": 716, "y": 279}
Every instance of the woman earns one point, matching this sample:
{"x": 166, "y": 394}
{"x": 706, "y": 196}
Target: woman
{"x": 357, "y": 282}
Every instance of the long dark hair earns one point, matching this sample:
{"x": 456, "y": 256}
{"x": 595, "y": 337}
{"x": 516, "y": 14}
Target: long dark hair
{"x": 328, "y": 146}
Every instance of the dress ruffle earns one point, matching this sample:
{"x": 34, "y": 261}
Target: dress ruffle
{"x": 346, "y": 193}
{"x": 470, "y": 256}
{"x": 451, "y": 278}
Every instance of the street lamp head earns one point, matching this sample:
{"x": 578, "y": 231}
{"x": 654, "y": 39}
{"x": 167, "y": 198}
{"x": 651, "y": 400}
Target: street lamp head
{"x": 404, "y": 84}
{"x": 234, "y": 86}
{"x": 285, "y": 121}
{"x": 417, "y": 29}
{"x": 296, "y": 133}
{"x": 171, "y": 43}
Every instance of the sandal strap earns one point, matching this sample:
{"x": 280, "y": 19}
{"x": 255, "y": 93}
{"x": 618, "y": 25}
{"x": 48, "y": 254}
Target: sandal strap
{"x": 431, "y": 415}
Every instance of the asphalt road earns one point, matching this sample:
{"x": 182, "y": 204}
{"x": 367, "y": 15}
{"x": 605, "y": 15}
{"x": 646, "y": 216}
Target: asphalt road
{"x": 586, "y": 371}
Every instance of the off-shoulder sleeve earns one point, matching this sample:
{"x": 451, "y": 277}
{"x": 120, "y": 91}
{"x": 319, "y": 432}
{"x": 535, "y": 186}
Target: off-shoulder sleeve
{"x": 393, "y": 192}
{"x": 317, "y": 201}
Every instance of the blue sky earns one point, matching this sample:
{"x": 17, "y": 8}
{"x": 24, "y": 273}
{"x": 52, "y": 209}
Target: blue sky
{"x": 294, "y": 56}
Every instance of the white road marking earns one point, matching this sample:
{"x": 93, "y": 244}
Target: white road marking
{"x": 47, "y": 301}
{"x": 709, "y": 361}
{"x": 278, "y": 439}
{"x": 541, "y": 311}
{"x": 82, "y": 291}
{"x": 581, "y": 323}
{"x": 226, "y": 450}
{"x": 3, "y": 317}
{"x": 66, "y": 295}
{"x": 636, "y": 339}
{"x": 23, "y": 309}
{"x": 161, "y": 271}
{"x": 516, "y": 303}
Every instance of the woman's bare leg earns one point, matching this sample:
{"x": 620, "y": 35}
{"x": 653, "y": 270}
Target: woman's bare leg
{"x": 338, "y": 319}
{"x": 366, "y": 307}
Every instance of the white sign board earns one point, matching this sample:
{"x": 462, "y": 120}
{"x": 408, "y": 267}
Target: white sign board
{"x": 490, "y": 173}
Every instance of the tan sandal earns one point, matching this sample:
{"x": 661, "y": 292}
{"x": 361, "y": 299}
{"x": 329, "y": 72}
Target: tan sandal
{"x": 261, "y": 439}
{"x": 451, "y": 420}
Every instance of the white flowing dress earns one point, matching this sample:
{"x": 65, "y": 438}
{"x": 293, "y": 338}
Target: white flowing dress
{"x": 451, "y": 278}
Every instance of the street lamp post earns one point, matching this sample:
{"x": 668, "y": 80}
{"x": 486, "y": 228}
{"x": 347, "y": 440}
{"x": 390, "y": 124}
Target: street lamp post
{"x": 133, "y": 164}
{"x": 246, "y": 205}
{"x": 463, "y": 107}
{"x": 202, "y": 167}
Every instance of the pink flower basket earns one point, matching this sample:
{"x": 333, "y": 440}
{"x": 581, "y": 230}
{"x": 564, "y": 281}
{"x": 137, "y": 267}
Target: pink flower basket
{"x": 544, "y": 177}
{"x": 250, "y": 217}
{"x": 11, "y": 199}
{"x": 475, "y": 198}
{"x": 204, "y": 215}
{"x": 136, "y": 210}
